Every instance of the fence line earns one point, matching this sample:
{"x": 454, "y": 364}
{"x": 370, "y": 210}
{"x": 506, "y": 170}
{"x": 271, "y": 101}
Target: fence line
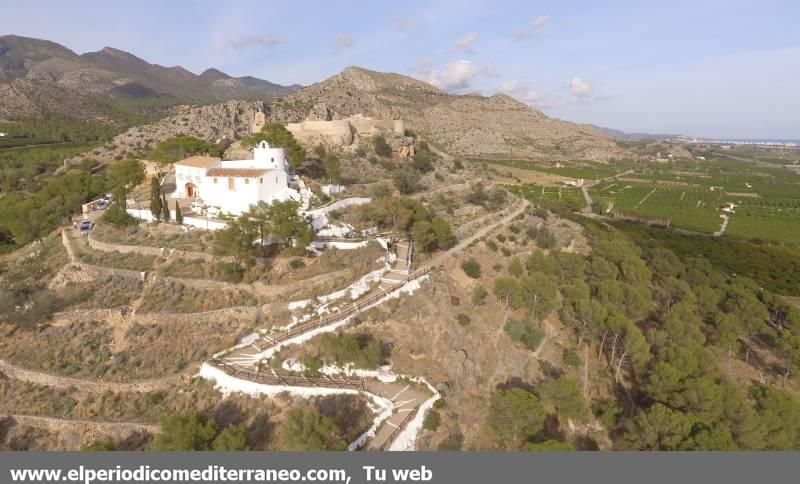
{"x": 275, "y": 377}
{"x": 355, "y": 307}
{"x": 399, "y": 428}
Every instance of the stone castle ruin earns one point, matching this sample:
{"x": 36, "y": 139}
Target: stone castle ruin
{"x": 347, "y": 132}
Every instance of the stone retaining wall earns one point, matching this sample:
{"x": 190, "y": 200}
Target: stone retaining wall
{"x": 139, "y": 275}
{"x": 87, "y": 430}
{"x": 210, "y": 284}
{"x": 125, "y": 249}
{"x": 63, "y": 382}
{"x": 154, "y": 251}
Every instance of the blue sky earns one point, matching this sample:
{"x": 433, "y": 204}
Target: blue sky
{"x": 707, "y": 68}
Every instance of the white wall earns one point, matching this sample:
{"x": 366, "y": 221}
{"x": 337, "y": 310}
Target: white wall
{"x": 187, "y": 174}
{"x": 198, "y": 222}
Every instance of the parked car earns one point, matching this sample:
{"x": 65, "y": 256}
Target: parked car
{"x": 197, "y": 205}
{"x": 102, "y": 204}
{"x": 85, "y": 227}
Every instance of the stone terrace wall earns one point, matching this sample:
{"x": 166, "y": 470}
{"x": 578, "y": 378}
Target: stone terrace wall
{"x": 125, "y": 249}
{"x": 210, "y": 284}
{"x": 155, "y": 251}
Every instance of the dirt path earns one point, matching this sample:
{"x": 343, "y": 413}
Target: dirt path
{"x": 646, "y": 197}
{"x": 463, "y": 244}
{"x": 725, "y": 220}
{"x": 63, "y": 382}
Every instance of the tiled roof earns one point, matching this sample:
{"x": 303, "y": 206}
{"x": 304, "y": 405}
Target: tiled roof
{"x": 197, "y": 161}
{"x": 236, "y": 172}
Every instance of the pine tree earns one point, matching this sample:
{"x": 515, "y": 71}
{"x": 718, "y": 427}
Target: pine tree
{"x": 164, "y": 209}
{"x": 155, "y": 198}
{"x": 178, "y": 214}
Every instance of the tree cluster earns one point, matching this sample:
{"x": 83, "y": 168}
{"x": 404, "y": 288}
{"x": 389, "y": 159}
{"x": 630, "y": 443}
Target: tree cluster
{"x": 179, "y": 147}
{"x": 429, "y": 231}
{"x": 194, "y": 431}
{"x": 277, "y": 136}
{"x": 264, "y": 225}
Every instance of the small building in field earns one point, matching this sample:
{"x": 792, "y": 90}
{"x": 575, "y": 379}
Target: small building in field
{"x": 232, "y": 186}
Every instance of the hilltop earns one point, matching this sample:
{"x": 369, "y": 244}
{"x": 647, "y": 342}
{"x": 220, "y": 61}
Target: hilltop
{"x": 471, "y": 125}
{"x": 494, "y": 127}
{"x": 39, "y": 76}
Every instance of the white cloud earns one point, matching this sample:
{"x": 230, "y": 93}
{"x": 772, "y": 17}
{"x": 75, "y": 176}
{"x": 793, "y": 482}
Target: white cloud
{"x": 534, "y": 27}
{"x": 522, "y": 92}
{"x": 455, "y": 76}
{"x": 465, "y": 42}
{"x": 489, "y": 70}
{"x": 580, "y": 89}
{"x": 344, "y": 41}
{"x": 262, "y": 40}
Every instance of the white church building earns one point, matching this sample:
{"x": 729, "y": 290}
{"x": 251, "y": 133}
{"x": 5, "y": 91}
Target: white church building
{"x": 232, "y": 186}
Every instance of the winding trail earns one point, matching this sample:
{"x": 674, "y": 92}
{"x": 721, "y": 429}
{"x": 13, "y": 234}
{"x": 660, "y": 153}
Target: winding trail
{"x": 407, "y": 402}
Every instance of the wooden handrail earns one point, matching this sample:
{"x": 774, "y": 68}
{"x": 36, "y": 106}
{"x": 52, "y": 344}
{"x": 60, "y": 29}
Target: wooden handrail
{"x": 399, "y": 428}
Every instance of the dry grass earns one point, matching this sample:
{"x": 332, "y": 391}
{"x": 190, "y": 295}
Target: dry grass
{"x": 155, "y": 235}
{"x": 109, "y": 291}
{"x": 359, "y": 261}
{"x": 77, "y": 350}
{"x": 38, "y": 266}
{"x": 172, "y": 296}
{"x": 117, "y": 260}
{"x": 169, "y": 348}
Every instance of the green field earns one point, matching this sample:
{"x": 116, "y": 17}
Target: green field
{"x": 569, "y": 197}
{"x": 688, "y": 207}
{"x": 587, "y": 171}
{"x": 779, "y": 224}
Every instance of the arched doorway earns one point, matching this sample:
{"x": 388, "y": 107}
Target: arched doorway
{"x": 192, "y": 191}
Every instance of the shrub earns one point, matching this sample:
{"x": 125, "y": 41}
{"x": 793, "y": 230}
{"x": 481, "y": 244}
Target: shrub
{"x": 515, "y": 415}
{"x": 479, "y": 295}
{"x": 307, "y": 429}
{"x": 525, "y": 332}
{"x": 452, "y": 443}
{"x": 232, "y": 271}
{"x": 516, "y": 268}
{"x": 406, "y": 180}
{"x": 571, "y": 358}
{"x": 188, "y": 431}
{"x": 463, "y": 319}
{"x": 472, "y": 268}
{"x": 312, "y": 365}
{"x": 380, "y": 146}
{"x": 232, "y": 438}
{"x": 546, "y": 239}
{"x": 432, "y": 420}
{"x": 362, "y": 350}
{"x": 297, "y": 263}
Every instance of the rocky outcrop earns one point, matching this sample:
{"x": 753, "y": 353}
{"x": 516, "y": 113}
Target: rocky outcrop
{"x": 472, "y": 125}
{"x": 228, "y": 120}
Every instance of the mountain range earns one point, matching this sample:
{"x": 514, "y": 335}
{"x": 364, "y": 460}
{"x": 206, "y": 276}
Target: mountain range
{"x": 39, "y": 76}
